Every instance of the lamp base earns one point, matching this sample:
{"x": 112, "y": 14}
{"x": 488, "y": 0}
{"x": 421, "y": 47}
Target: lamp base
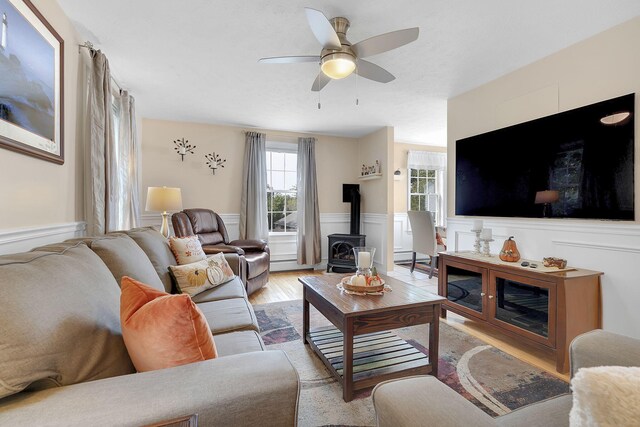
{"x": 164, "y": 229}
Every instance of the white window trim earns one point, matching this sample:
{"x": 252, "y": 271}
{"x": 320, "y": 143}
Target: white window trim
{"x": 282, "y": 147}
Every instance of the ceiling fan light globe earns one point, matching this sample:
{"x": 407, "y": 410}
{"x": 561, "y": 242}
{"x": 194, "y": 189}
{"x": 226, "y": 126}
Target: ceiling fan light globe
{"x": 338, "y": 65}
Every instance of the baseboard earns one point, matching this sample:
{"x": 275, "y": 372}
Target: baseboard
{"x": 25, "y": 239}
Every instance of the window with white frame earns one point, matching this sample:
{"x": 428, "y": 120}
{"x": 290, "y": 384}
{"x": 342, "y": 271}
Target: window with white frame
{"x": 282, "y": 196}
{"x": 427, "y": 183}
{"x": 423, "y": 195}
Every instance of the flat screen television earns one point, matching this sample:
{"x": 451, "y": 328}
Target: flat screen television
{"x": 584, "y": 166}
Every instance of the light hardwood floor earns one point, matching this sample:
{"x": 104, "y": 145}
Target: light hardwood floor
{"x": 284, "y": 286}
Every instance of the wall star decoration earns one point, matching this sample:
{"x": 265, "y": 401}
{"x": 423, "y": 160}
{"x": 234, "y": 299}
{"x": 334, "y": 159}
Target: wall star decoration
{"x": 214, "y": 161}
{"x": 183, "y": 147}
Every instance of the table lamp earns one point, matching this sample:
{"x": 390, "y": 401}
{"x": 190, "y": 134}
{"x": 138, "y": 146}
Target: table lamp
{"x": 163, "y": 199}
{"x": 546, "y": 197}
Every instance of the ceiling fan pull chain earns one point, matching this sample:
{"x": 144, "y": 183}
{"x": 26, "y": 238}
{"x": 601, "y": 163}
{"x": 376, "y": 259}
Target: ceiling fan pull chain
{"x": 357, "y": 100}
{"x": 319, "y": 105}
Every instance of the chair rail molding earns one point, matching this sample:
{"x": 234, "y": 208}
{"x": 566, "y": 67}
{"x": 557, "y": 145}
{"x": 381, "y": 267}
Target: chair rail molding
{"x": 608, "y": 246}
{"x": 25, "y": 239}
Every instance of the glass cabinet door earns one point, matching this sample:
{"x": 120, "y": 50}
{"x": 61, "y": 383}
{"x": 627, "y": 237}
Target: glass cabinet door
{"x": 523, "y": 303}
{"x": 465, "y": 286}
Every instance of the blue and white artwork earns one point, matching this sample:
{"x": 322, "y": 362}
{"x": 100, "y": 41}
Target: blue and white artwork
{"x": 27, "y": 75}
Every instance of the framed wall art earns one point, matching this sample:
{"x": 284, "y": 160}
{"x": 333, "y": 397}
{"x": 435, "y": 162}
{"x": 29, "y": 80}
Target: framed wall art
{"x": 31, "y": 83}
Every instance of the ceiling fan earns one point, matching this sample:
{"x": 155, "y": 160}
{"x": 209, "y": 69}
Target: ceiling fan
{"x": 339, "y": 58}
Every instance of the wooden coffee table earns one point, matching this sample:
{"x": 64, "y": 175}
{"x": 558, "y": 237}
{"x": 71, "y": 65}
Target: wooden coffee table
{"x": 375, "y": 356}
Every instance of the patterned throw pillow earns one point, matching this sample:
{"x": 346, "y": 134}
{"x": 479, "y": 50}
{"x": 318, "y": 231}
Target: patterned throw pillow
{"x": 187, "y": 249}
{"x": 197, "y": 277}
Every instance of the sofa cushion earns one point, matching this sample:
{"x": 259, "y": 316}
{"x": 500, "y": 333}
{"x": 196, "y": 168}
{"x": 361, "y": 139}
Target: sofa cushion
{"x": 59, "y": 313}
{"x": 232, "y": 289}
{"x": 235, "y": 314}
{"x": 238, "y": 342}
{"x": 186, "y": 249}
{"x": 162, "y": 330}
{"x": 124, "y": 257}
{"x": 156, "y": 247}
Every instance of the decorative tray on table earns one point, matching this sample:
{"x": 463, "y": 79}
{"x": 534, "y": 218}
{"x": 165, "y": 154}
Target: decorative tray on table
{"x": 346, "y": 284}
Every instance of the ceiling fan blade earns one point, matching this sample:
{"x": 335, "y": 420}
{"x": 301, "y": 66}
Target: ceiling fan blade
{"x": 289, "y": 59}
{"x": 374, "y": 72}
{"x": 322, "y": 29}
{"x": 385, "y": 42}
{"x": 320, "y": 82}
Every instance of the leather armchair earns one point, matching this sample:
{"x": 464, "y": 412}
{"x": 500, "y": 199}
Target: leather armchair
{"x": 213, "y": 236}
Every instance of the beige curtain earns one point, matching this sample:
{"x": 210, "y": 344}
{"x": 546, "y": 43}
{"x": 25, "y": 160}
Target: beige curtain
{"x": 309, "y": 248}
{"x": 111, "y": 171}
{"x": 253, "y": 201}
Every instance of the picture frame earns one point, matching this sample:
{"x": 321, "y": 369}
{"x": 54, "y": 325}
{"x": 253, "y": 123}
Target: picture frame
{"x": 32, "y": 84}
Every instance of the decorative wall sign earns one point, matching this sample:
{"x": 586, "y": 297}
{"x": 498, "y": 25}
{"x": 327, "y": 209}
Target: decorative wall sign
{"x": 31, "y": 83}
{"x": 182, "y": 146}
{"x": 214, "y": 161}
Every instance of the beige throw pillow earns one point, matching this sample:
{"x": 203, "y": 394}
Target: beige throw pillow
{"x": 197, "y": 277}
{"x": 606, "y": 396}
{"x": 187, "y": 250}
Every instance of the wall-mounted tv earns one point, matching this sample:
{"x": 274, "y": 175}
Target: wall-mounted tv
{"x": 582, "y": 159}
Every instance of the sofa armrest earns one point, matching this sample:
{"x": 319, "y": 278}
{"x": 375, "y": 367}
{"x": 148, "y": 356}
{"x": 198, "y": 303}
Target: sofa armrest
{"x": 424, "y": 401}
{"x": 259, "y": 388}
{"x": 602, "y": 348}
{"x": 225, "y": 249}
{"x": 251, "y": 245}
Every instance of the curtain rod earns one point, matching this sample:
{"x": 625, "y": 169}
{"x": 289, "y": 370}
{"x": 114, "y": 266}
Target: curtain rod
{"x": 89, "y": 46}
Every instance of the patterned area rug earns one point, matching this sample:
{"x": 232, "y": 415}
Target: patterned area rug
{"x": 491, "y": 379}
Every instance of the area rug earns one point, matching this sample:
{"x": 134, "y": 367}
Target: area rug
{"x": 491, "y": 379}
{"x": 422, "y": 266}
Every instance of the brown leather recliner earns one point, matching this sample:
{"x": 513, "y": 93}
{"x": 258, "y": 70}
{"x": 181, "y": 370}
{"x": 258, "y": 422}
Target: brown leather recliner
{"x": 213, "y": 236}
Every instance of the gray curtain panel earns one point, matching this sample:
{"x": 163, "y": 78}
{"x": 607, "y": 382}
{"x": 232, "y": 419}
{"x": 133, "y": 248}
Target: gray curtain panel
{"x": 128, "y": 170}
{"x": 112, "y": 172}
{"x": 309, "y": 248}
{"x": 99, "y": 162}
{"x": 253, "y": 202}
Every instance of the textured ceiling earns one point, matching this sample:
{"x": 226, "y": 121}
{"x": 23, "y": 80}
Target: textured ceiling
{"x": 196, "y": 60}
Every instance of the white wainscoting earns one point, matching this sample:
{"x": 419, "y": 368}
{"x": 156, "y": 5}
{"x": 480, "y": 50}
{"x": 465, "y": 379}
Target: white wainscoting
{"x": 402, "y": 237}
{"x": 374, "y": 226}
{"x": 25, "y": 239}
{"x": 607, "y": 246}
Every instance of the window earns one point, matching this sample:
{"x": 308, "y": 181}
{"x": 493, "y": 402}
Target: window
{"x": 282, "y": 197}
{"x": 423, "y": 194}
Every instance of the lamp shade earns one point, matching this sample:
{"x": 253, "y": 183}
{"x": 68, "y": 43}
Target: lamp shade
{"x": 547, "y": 196}
{"x": 338, "y": 65}
{"x": 162, "y": 199}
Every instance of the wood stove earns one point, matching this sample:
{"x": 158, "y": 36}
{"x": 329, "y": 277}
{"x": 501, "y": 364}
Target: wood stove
{"x": 341, "y": 257}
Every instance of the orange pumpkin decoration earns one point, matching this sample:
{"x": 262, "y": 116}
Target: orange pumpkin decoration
{"x": 509, "y": 252}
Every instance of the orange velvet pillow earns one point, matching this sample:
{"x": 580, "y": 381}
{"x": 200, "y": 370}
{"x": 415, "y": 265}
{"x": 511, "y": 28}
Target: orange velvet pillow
{"x": 162, "y": 330}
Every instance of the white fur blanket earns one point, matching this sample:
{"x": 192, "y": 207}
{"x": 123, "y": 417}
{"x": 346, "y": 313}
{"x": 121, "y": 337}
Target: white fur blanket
{"x": 606, "y": 396}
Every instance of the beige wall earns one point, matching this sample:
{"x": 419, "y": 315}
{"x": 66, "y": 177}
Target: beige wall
{"x": 400, "y": 186}
{"x": 335, "y": 161}
{"x": 35, "y": 192}
{"x": 374, "y": 192}
{"x": 377, "y": 194}
{"x": 602, "y": 67}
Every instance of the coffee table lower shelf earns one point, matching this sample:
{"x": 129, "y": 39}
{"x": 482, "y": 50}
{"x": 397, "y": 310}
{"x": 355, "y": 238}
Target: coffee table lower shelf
{"x": 377, "y": 356}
